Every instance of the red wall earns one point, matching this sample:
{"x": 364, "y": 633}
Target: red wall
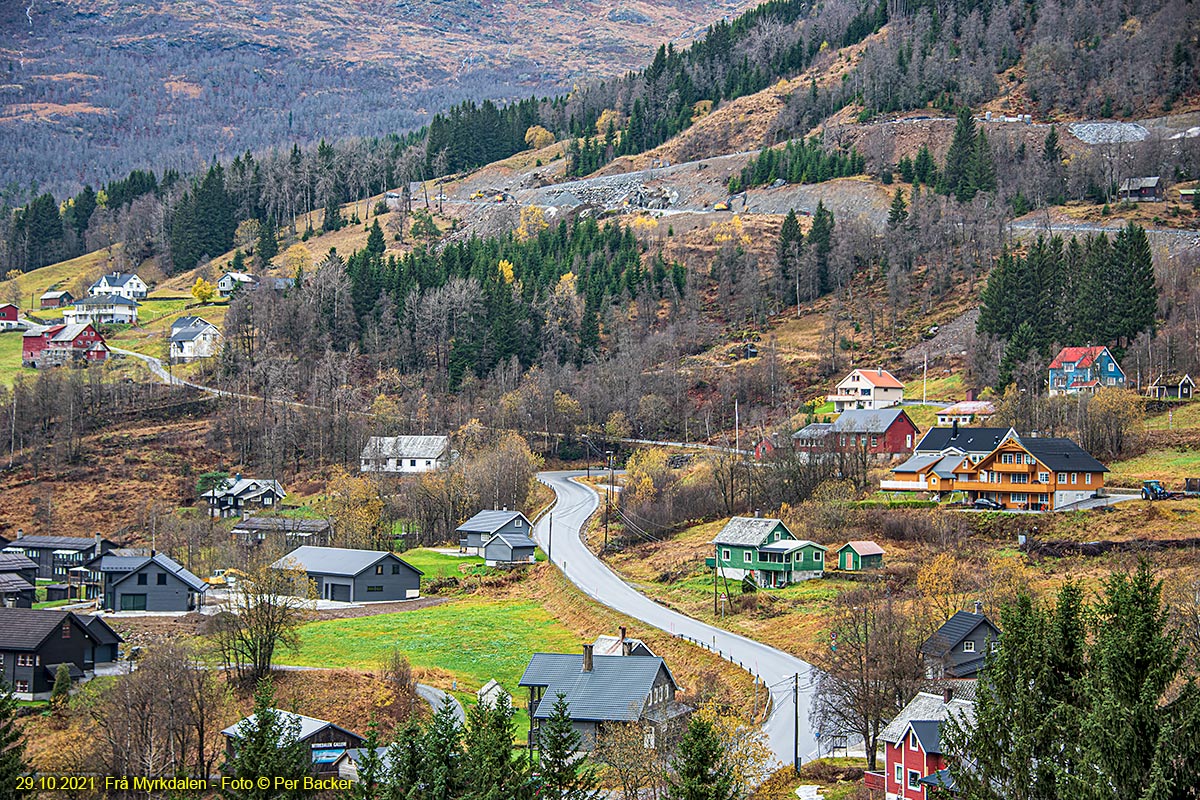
{"x": 910, "y": 759}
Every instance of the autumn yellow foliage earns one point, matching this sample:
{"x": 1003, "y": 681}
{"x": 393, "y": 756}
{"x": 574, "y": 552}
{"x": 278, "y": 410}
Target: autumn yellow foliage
{"x": 730, "y": 231}
{"x": 533, "y": 222}
{"x": 538, "y": 137}
{"x": 203, "y": 291}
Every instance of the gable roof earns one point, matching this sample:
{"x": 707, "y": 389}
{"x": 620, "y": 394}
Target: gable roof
{"x": 751, "y": 531}
{"x": 609, "y": 645}
{"x": 918, "y": 463}
{"x": 191, "y": 331}
{"x": 55, "y": 294}
{"x": 240, "y": 277}
{"x": 129, "y": 565}
{"x": 115, "y": 279}
{"x": 513, "y": 540}
{"x": 615, "y": 689}
{"x": 185, "y": 322}
{"x": 12, "y": 582}
{"x": 879, "y": 378}
{"x": 929, "y": 734}
{"x": 256, "y": 522}
{"x": 1061, "y": 455}
{"x": 864, "y": 420}
{"x": 1079, "y": 356}
{"x": 309, "y": 726}
{"x": 16, "y": 562}
{"x": 406, "y": 447}
{"x": 101, "y": 630}
{"x": 863, "y": 548}
{"x": 336, "y": 560}
{"x": 1172, "y": 379}
{"x": 983, "y": 408}
{"x": 250, "y": 487}
{"x": 488, "y": 521}
{"x": 26, "y": 629}
{"x": 56, "y": 542}
{"x": 106, "y": 300}
{"x": 1133, "y": 184}
{"x": 968, "y": 440}
{"x": 814, "y": 430}
{"x": 953, "y": 632}
{"x": 925, "y": 706}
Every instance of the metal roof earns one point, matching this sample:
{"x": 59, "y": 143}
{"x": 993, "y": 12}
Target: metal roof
{"x": 115, "y": 279}
{"x": 788, "y": 545}
{"x": 124, "y": 566}
{"x": 192, "y": 332}
{"x": 26, "y": 628}
{"x": 336, "y": 560}
{"x": 880, "y": 378}
{"x": 917, "y": 463}
{"x": 814, "y": 430}
{"x": 863, "y": 548}
{"x": 513, "y": 540}
{"x": 1133, "y": 184}
{"x": 54, "y": 542}
{"x": 258, "y": 522}
{"x": 977, "y": 441}
{"x": 106, "y": 300}
{"x": 751, "y": 531}
{"x": 15, "y": 562}
{"x": 488, "y": 521}
{"x": 406, "y": 447}
{"x": 929, "y": 734}
{"x": 943, "y": 644}
{"x": 249, "y": 487}
{"x": 865, "y": 420}
{"x": 924, "y": 707}
{"x": 983, "y": 408}
{"x": 615, "y": 689}
{"x": 101, "y": 630}
{"x": 608, "y": 645}
{"x": 309, "y": 726}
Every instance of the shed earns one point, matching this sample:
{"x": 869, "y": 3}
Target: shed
{"x": 326, "y": 741}
{"x": 855, "y": 556}
{"x": 1146, "y": 189}
{"x": 509, "y": 548}
{"x": 490, "y": 693}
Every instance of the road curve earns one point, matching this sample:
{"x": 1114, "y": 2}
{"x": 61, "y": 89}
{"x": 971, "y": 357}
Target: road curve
{"x": 558, "y": 532}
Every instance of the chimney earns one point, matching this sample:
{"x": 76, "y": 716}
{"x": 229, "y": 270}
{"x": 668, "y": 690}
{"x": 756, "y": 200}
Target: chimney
{"x": 970, "y": 395}
{"x": 237, "y": 476}
{"x": 947, "y": 694}
{"x": 626, "y": 648}
{"x": 587, "y": 658}
{"x": 622, "y": 629}
{"x": 20, "y": 533}
{"x": 954, "y": 429}
{"x": 99, "y": 540}
{"x": 978, "y": 607}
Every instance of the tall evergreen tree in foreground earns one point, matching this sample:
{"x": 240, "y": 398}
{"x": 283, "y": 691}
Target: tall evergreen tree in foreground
{"x": 700, "y": 769}
{"x": 372, "y": 777}
{"x": 563, "y": 775}
{"x": 493, "y": 770}
{"x": 269, "y": 746}
{"x": 12, "y": 748}
{"x": 442, "y": 756}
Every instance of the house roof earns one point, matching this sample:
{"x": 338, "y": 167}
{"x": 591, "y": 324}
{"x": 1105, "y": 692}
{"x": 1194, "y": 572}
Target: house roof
{"x": 240, "y": 277}
{"x": 513, "y": 540}
{"x": 750, "y": 531}
{"x": 943, "y": 644}
{"x": 69, "y": 333}
{"x": 968, "y": 440}
{"x": 947, "y": 464}
{"x": 863, "y": 548}
{"x": 257, "y": 522}
{"x": 309, "y": 726}
{"x": 55, "y": 542}
{"x": 814, "y": 430}
{"x": 185, "y": 322}
{"x": 1169, "y": 379}
{"x": 128, "y": 565}
{"x": 1133, "y": 184}
{"x": 406, "y": 447}
{"x": 115, "y": 279}
{"x": 879, "y": 378}
{"x": 615, "y": 689}
{"x": 1061, "y": 455}
{"x": 488, "y": 687}
{"x": 12, "y": 582}
{"x": 26, "y": 628}
{"x": 929, "y": 734}
{"x": 942, "y": 779}
{"x": 788, "y": 545}
{"x": 106, "y": 300}
{"x": 16, "y": 562}
{"x": 918, "y": 463}
{"x": 336, "y": 560}
{"x": 55, "y": 295}
{"x": 982, "y": 408}
{"x": 925, "y": 706}
{"x": 608, "y": 645}
{"x": 192, "y": 332}
{"x": 101, "y": 630}
{"x": 488, "y": 521}
{"x": 1079, "y": 356}
{"x": 249, "y": 487}
{"x": 862, "y": 420}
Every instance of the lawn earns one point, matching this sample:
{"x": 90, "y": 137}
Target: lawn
{"x": 53, "y": 603}
{"x": 441, "y": 565}
{"x": 1170, "y": 466}
{"x": 1183, "y": 416}
{"x": 939, "y": 387}
{"x": 10, "y": 358}
{"x": 474, "y": 640}
{"x": 35, "y": 282}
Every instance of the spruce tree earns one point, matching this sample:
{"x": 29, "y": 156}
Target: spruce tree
{"x": 983, "y": 170}
{"x": 238, "y": 262}
{"x": 267, "y": 246}
{"x": 1051, "y": 150}
{"x": 269, "y": 746}
{"x": 441, "y": 755}
{"x": 375, "y": 242}
{"x": 820, "y": 239}
{"x": 12, "y": 748}
{"x": 404, "y": 759}
{"x": 333, "y": 216}
{"x": 956, "y": 176}
{"x": 1136, "y": 290}
{"x": 1015, "y": 352}
{"x": 700, "y": 771}
{"x": 924, "y": 170}
{"x": 790, "y": 240}
{"x": 372, "y": 779}
{"x": 563, "y": 775}
{"x": 898, "y": 213}
{"x": 493, "y": 770}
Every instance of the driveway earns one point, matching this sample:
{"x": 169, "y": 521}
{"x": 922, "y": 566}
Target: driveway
{"x": 435, "y": 697}
{"x": 778, "y": 670}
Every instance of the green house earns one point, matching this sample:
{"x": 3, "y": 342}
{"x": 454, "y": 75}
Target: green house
{"x": 855, "y": 556}
{"x": 765, "y": 550}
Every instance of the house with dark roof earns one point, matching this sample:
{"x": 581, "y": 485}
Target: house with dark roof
{"x": 33, "y": 643}
{"x": 405, "y": 454}
{"x": 765, "y": 551}
{"x": 867, "y": 389}
{"x": 859, "y": 555}
{"x": 103, "y": 309}
{"x": 1084, "y": 369}
{"x": 192, "y": 338}
{"x": 20, "y": 565}
{"x": 238, "y": 496}
{"x": 958, "y": 648}
{"x": 326, "y": 742}
{"x": 913, "y": 752}
{"x": 108, "y": 641}
{"x": 120, "y": 284}
{"x": 16, "y": 592}
{"x": 603, "y": 690}
{"x": 1149, "y": 189}
{"x": 508, "y": 549}
{"x": 56, "y": 556}
{"x": 289, "y": 531}
{"x": 151, "y": 582}
{"x": 355, "y": 576}
{"x": 55, "y": 299}
{"x": 479, "y": 529}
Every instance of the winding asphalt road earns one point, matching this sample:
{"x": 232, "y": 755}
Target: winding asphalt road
{"x": 575, "y": 503}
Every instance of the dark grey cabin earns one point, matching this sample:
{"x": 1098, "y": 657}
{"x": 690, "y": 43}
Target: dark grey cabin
{"x": 326, "y": 742}
{"x": 959, "y": 647}
{"x": 55, "y": 556}
{"x": 33, "y": 643}
{"x": 15, "y": 591}
{"x": 288, "y": 531}
{"x": 355, "y": 576}
{"x": 604, "y": 690}
{"x": 19, "y": 565}
{"x": 148, "y": 583}
{"x": 475, "y": 532}
{"x": 509, "y": 548}
{"x": 107, "y": 647}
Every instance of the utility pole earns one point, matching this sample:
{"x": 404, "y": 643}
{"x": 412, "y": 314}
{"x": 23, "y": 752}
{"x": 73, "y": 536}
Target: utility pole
{"x": 796, "y": 722}
{"x": 608, "y": 497}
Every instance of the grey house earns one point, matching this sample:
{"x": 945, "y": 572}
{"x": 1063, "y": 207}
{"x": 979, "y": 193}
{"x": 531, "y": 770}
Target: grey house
{"x": 405, "y": 454}
{"x": 107, "y": 640}
{"x": 148, "y": 583}
{"x": 15, "y": 591}
{"x": 475, "y": 532}
{"x": 509, "y": 548}
{"x": 958, "y": 648}
{"x": 355, "y": 576}
{"x": 237, "y": 496}
{"x": 327, "y": 742}
{"x": 288, "y": 531}
{"x": 603, "y": 690}
{"x": 55, "y": 556}
{"x": 33, "y": 643}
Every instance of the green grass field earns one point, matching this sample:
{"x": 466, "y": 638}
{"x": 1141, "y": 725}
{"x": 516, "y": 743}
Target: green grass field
{"x": 37, "y": 281}
{"x": 1184, "y": 416}
{"x": 1168, "y": 466}
{"x": 10, "y": 358}
{"x": 440, "y": 565}
{"x": 474, "y": 640}
{"x": 940, "y": 387}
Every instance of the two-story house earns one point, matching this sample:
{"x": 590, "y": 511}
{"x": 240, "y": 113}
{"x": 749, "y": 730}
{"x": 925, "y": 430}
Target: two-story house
{"x": 867, "y": 389}
{"x": 1032, "y": 473}
{"x": 54, "y": 345}
{"x": 103, "y": 309}
{"x": 57, "y": 556}
{"x": 192, "y": 338}
{"x": 10, "y": 317}
{"x": 913, "y": 753}
{"x": 939, "y": 452}
{"x": 237, "y": 496}
{"x": 230, "y": 282}
{"x": 1084, "y": 369}
{"x": 33, "y": 643}
{"x": 150, "y": 582}
{"x": 765, "y": 551}
{"x": 958, "y": 649}
{"x": 122, "y": 284}
{"x": 405, "y": 454}
{"x": 603, "y": 690}
{"x": 479, "y": 529}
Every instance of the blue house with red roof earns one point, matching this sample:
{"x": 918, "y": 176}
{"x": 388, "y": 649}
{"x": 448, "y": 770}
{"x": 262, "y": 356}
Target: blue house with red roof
{"x": 1084, "y": 369}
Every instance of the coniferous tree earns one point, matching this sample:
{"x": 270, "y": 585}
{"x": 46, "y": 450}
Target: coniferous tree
{"x": 983, "y": 169}
{"x": 372, "y": 780}
{"x": 441, "y": 756}
{"x": 700, "y": 770}
{"x": 268, "y": 746}
{"x": 1051, "y": 150}
{"x": 898, "y": 213}
{"x": 61, "y": 690}
{"x": 1017, "y": 349}
{"x": 788, "y": 249}
{"x": 924, "y": 168}
{"x": 492, "y": 769}
{"x": 404, "y": 762}
{"x": 563, "y": 775}
{"x": 1136, "y": 290}
{"x": 820, "y": 239}
{"x": 238, "y": 262}
{"x": 956, "y": 176}
{"x": 267, "y": 246}
{"x": 12, "y": 747}
{"x": 375, "y": 242}
{"x": 333, "y": 216}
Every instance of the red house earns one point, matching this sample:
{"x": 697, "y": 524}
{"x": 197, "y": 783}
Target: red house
{"x": 56, "y": 299}
{"x": 913, "y": 742}
{"x": 884, "y": 433}
{"x": 52, "y": 345}
{"x": 8, "y": 316}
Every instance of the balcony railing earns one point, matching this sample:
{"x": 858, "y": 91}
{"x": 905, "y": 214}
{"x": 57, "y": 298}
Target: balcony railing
{"x": 901, "y": 486}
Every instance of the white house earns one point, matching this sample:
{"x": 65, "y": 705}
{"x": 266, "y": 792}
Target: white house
{"x": 103, "y": 309}
{"x": 230, "y": 282}
{"x": 401, "y": 454}
{"x": 967, "y": 412}
{"x": 123, "y": 284}
{"x": 870, "y": 389}
{"x": 192, "y": 338}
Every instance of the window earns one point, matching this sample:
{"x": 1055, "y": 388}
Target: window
{"x": 1062, "y": 477}
{"x": 428, "y": 463}
{"x": 899, "y": 773}
{"x": 1006, "y": 458}
{"x": 1043, "y": 477}
{"x": 912, "y": 740}
{"x": 142, "y": 581}
{"x": 725, "y": 555}
{"x": 66, "y": 630}
{"x": 1019, "y": 497}
{"x": 412, "y": 462}
{"x": 379, "y": 569}
{"x": 993, "y": 645}
{"x": 1068, "y": 367}
{"x": 1074, "y": 478}
{"x": 914, "y": 779}
{"x": 746, "y": 556}
{"x": 908, "y": 440}
{"x": 1112, "y": 366}
{"x": 517, "y": 522}
{"x": 843, "y": 440}
{"x": 1020, "y": 477}
{"x": 1087, "y": 477}
{"x": 395, "y": 569}
{"x": 22, "y": 687}
{"x": 817, "y": 555}
{"x": 374, "y": 588}
{"x": 1029, "y": 460}
{"x": 874, "y": 441}
{"x": 26, "y": 660}
{"x": 161, "y": 579}
{"x": 968, "y": 647}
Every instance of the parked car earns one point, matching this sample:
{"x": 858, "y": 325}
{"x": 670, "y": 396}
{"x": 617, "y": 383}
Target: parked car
{"x": 987, "y": 504}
